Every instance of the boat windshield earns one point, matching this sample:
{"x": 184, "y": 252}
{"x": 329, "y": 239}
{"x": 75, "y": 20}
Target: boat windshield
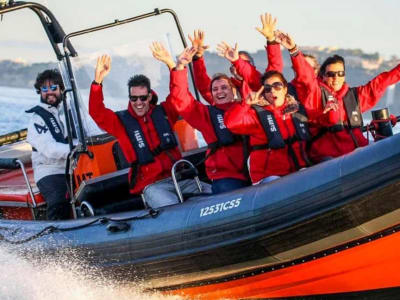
{"x": 128, "y": 46}
{"x": 25, "y": 51}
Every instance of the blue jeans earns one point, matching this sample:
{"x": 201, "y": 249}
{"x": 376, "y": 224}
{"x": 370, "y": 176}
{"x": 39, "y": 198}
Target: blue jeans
{"x": 162, "y": 193}
{"x": 227, "y": 184}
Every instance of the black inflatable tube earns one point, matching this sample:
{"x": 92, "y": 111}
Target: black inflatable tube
{"x": 9, "y": 163}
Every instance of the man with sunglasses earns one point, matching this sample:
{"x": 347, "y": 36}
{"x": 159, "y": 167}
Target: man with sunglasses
{"x": 47, "y": 136}
{"x": 144, "y": 132}
{"x": 225, "y": 161}
{"x": 337, "y": 108}
{"x": 203, "y": 81}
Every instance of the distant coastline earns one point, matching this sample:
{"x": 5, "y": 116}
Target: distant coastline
{"x": 360, "y": 66}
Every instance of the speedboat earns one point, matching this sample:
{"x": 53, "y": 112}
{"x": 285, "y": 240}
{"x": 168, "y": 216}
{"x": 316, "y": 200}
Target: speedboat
{"x": 331, "y": 230}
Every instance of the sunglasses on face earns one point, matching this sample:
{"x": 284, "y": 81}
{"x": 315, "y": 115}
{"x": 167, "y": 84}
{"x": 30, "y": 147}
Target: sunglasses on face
{"x": 142, "y": 98}
{"x": 45, "y": 89}
{"x": 277, "y": 86}
{"x": 333, "y": 74}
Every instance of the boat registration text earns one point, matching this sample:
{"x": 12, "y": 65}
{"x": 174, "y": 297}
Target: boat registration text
{"x": 213, "y": 209}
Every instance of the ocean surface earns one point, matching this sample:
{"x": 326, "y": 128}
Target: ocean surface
{"x": 13, "y": 103}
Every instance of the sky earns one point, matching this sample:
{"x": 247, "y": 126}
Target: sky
{"x": 369, "y": 25}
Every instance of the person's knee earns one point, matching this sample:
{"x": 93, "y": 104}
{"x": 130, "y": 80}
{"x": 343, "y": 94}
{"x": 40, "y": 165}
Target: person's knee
{"x": 156, "y": 201}
{"x": 158, "y": 195}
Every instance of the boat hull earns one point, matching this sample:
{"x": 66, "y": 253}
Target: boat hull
{"x": 232, "y": 244}
{"x": 363, "y": 268}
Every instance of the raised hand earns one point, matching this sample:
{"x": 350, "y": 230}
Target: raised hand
{"x": 285, "y": 40}
{"x": 224, "y": 50}
{"x": 186, "y": 57}
{"x": 331, "y": 105}
{"x": 198, "y": 42}
{"x": 257, "y": 98}
{"x": 103, "y": 67}
{"x": 268, "y": 26}
{"x": 160, "y": 53}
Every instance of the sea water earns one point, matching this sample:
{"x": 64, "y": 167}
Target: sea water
{"x": 21, "y": 279}
{"x": 13, "y": 103}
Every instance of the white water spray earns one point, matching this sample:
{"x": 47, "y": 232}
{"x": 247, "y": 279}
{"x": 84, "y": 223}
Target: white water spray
{"x": 62, "y": 280}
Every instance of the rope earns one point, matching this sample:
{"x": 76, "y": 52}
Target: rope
{"x": 52, "y": 229}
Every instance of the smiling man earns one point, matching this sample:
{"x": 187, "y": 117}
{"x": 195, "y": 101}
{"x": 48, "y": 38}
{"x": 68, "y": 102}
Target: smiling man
{"x": 225, "y": 157}
{"x": 338, "y": 108}
{"x": 47, "y": 136}
{"x": 144, "y": 132}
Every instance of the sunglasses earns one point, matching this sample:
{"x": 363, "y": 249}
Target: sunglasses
{"x": 333, "y": 74}
{"x": 53, "y": 88}
{"x": 142, "y": 98}
{"x": 277, "y": 86}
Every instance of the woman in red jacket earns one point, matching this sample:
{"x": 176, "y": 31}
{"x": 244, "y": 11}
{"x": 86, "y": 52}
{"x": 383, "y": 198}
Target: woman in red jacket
{"x": 277, "y": 128}
{"x": 249, "y": 73}
{"x": 225, "y": 162}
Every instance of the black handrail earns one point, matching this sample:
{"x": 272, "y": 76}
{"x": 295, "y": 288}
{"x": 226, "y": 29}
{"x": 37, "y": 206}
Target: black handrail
{"x": 53, "y": 29}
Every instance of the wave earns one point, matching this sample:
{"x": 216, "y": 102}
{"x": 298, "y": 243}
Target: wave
{"x": 64, "y": 279}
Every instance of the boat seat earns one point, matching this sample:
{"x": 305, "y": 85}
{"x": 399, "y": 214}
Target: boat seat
{"x": 119, "y": 157}
{"x": 16, "y": 190}
{"x": 98, "y": 195}
{"x": 181, "y": 170}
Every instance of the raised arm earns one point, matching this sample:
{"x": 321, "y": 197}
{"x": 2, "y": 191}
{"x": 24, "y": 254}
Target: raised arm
{"x": 161, "y": 53}
{"x": 194, "y": 112}
{"x": 275, "y": 61}
{"x": 105, "y": 118}
{"x": 180, "y": 99}
{"x": 370, "y": 93}
{"x": 201, "y": 78}
{"x": 305, "y": 82}
{"x": 246, "y": 70}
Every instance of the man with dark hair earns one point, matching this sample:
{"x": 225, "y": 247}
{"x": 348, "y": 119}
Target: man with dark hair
{"x": 144, "y": 132}
{"x": 337, "y": 108}
{"x": 47, "y": 136}
{"x": 141, "y": 80}
{"x": 203, "y": 81}
{"x": 52, "y": 75}
{"x": 329, "y": 61}
{"x": 225, "y": 161}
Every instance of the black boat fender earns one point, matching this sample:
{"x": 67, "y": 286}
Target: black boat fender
{"x": 9, "y": 163}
